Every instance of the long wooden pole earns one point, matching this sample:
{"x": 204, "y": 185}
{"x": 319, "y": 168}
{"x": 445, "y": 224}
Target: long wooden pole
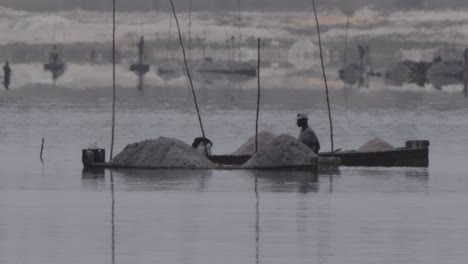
{"x": 239, "y": 29}
{"x": 113, "y": 80}
{"x": 258, "y": 97}
{"x": 42, "y": 149}
{"x": 345, "y": 56}
{"x": 324, "y": 75}
{"x": 188, "y": 71}
{"x": 190, "y": 31}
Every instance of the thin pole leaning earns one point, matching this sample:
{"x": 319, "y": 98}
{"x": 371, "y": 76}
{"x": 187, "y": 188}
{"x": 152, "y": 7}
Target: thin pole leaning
{"x": 188, "y": 71}
{"x": 324, "y": 76}
{"x": 258, "y": 97}
{"x": 239, "y": 20}
{"x": 345, "y": 56}
{"x": 113, "y": 80}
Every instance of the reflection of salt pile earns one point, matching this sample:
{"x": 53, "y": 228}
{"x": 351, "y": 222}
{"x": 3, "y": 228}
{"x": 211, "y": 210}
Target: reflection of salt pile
{"x": 248, "y": 148}
{"x": 282, "y": 151}
{"x": 376, "y": 145}
{"x": 162, "y": 153}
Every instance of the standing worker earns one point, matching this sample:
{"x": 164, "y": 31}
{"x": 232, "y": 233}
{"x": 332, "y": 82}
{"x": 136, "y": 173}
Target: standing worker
{"x": 307, "y": 135}
{"x": 6, "y": 75}
{"x": 465, "y": 72}
{"x": 141, "y": 47}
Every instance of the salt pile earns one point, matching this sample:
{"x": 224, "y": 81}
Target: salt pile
{"x": 162, "y": 153}
{"x": 248, "y": 148}
{"x": 282, "y": 151}
{"x": 376, "y": 145}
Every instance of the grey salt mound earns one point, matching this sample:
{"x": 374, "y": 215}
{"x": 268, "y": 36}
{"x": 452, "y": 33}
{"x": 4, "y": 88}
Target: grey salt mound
{"x": 248, "y": 148}
{"x": 162, "y": 153}
{"x": 376, "y": 145}
{"x": 282, "y": 151}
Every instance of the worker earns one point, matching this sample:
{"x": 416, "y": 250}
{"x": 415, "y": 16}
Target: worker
{"x": 54, "y": 55}
{"x": 6, "y": 75}
{"x": 202, "y": 145}
{"x": 307, "y": 135}
{"x": 141, "y": 47}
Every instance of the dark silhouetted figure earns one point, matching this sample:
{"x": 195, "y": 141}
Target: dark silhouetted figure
{"x": 203, "y": 145}
{"x": 465, "y": 72}
{"x": 307, "y": 135}
{"x": 362, "y": 53}
{"x": 6, "y": 75}
{"x": 141, "y": 48}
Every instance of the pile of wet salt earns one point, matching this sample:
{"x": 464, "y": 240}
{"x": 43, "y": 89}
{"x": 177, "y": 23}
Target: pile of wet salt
{"x": 376, "y": 145}
{"x": 282, "y": 151}
{"x": 162, "y": 153}
{"x": 248, "y": 148}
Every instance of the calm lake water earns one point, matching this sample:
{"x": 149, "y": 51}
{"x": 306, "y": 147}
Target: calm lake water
{"x": 55, "y": 213}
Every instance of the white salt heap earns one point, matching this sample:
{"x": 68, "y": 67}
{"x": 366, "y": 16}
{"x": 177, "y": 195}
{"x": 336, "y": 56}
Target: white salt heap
{"x": 248, "y": 148}
{"x": 162, "y": 153}
{"x": 282, "y": 151}
{"x": 376, "y": 145}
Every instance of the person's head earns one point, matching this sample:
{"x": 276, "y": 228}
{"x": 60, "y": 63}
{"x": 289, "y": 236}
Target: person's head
{"x": 302, "y": 120}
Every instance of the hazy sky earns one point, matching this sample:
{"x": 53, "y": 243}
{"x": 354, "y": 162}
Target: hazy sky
{"x": 228, "y": 5}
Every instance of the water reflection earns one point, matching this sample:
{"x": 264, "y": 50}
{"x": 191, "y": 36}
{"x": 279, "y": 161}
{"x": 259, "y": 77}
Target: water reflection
{"x": 285, "y": 181}
{"x": 93, "y": 179}
{"x": 257, "y": 223}
{"x": 162, "y": 180}
{"x": 112, "y": 217}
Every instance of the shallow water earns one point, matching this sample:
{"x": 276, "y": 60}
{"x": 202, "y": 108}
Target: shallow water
{"x": 56, "y": 213}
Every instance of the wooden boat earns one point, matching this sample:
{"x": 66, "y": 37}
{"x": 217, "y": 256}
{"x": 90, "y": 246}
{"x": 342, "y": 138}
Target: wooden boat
{"x": 414, "y": 154}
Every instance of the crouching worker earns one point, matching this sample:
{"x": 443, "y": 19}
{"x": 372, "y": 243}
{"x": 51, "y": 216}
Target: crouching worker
{"x": 307, "y": 135}
{"x": 202, "y": 145}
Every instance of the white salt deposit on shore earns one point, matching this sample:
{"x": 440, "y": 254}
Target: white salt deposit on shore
{"x": 376, "y": 145}
{"x": 248, "y": 148}
{"x": 282, "y": 151}
{"x": 162, "y": 153}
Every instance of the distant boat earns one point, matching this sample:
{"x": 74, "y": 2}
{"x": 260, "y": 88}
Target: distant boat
{"x": 56, "y": 66}
{"x": 407, "y": 72}
{"x": 443, "y": 73}
{"x": 140, "y": 69}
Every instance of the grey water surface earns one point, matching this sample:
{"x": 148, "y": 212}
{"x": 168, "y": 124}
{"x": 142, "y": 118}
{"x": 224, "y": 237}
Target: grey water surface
{"x": 53, "y": 212}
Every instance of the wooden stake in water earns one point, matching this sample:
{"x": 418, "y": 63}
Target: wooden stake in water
{"x": 187, "y": 70}
{"x": 324, "y": 75}
{"x": 113, "y": 80}
{"x": 258, "y": 97}
{"x": 42, "y": 149}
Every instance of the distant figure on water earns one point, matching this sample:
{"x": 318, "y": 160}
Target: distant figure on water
{"x": 141, "y": 48}
{"x": 307, "y": 136}
{"x": 54, "y": 55}
{"x": 55, "y": 65}
{"x": 465, "y": 72}
{"x": 6, "y": 75}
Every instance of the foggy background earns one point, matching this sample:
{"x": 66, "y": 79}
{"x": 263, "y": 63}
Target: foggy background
{"x": 201, "y": 5}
